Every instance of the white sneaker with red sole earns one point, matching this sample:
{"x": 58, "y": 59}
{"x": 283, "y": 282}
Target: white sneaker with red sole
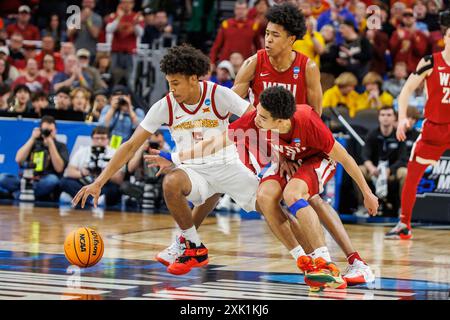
{"x": 358, "y": 273}
{"x": 170, "y": 254}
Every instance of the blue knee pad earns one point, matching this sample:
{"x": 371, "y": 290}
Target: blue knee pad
{"x": 299, "y": 204}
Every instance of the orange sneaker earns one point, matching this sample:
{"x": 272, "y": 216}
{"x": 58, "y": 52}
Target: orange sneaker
{"x": 306, "y": 264}
{"x": 192, "y": 257}
{"x": 326, "y": 275}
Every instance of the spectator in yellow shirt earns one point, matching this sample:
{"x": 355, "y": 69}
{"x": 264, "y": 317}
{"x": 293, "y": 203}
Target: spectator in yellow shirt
{"x": 343, "y": 94}
{"x": 313, "y": 44}
{"x": 374, "y": 97}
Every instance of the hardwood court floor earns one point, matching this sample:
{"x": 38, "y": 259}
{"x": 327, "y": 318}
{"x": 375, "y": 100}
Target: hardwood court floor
{"x": 246, "y": 261}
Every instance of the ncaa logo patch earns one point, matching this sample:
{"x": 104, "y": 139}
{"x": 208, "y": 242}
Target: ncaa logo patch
{"x": 297, "y": 142}
{"x": 208, "y": 102}
{"x": 296, "y": 72}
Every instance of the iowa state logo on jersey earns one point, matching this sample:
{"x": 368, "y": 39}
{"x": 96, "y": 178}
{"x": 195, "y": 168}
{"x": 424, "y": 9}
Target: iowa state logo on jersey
{"x": 288, "y": 86}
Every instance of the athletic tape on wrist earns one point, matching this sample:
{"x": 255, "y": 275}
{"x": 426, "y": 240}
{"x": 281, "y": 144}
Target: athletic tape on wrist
{"x": 299, "y": 204}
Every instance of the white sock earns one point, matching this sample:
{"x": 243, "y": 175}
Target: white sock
{"x": 297, "y": 252}
{"x": 322, "y": 252}
{"x": 191, "y": 235}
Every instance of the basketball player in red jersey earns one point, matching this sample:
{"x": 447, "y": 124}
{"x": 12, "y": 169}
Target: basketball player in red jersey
{"x": 435, "y": 136}
{"x": 279, "y": 65}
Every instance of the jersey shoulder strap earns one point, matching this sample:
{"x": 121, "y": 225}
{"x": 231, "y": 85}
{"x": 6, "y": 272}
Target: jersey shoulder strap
{"x": 429, "y": 58}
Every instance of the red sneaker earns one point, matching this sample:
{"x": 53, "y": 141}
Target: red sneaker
{"x": 192, "y": 257}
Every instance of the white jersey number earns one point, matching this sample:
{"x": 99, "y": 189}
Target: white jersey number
{"x": 446, "y": 98}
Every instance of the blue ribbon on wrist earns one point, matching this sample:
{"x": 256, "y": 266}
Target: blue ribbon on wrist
{"x": 166, "y": 155}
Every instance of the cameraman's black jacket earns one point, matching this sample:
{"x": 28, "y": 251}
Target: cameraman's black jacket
{"x": 48, "y": 165}
{"x": 381, "y": 148}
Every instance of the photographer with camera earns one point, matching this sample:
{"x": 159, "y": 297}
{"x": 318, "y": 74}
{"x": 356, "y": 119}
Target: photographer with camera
{"x": 46, "y": 157}
{"x": 120, "y": 116}
{"x": 88, "y": 162}
{"x": 145, "y": 185}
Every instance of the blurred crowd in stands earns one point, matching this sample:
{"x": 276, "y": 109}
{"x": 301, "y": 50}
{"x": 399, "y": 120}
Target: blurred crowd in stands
{"x": 365, "y": 53}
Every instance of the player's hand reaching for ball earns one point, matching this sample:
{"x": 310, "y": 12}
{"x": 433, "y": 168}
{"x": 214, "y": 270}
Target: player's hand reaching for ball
{"x": 93, "y": 189}
{"x": 371, "y": 203}
{"x": 402, "y": 127}
{"x": 156, "y": 159}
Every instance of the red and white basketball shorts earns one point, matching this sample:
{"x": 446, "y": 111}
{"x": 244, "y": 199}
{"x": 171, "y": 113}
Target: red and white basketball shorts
{"x": 431, "y": 143}
{"x": 315, "y": 172}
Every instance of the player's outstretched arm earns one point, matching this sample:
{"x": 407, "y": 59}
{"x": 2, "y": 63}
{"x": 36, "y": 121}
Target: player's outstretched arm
{"x": 122, "y": 155}
{"x": 413, "y": 82}
{"x": 245, "y": 76}
{"x": 201, "y": 149}
{"x": 206, "y": 147}
{"x": 339, "y": 154}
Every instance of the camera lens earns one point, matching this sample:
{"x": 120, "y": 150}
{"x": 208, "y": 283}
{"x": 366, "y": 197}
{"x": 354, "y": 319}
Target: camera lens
{"x": 45, "y": 132}
{"x": 154, "y": 145}
{"x": 122, "y": 102}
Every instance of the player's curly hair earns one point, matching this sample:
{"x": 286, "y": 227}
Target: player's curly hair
{"x": 290, "y": 17}
{"x": 186, "y": 60}
{"x": 279, "y": 102}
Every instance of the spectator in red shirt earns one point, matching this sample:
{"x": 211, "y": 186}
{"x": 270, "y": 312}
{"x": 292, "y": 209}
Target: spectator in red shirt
{"x": 48, "y": 47}
{"x": 125, "y": 26}
{"x": 16, "y": 52}
{"x": 23, "y": 25}
{"x": 407, "y": 43}
{"x": 238, "y": 34}
{"x": 32, "y": 79}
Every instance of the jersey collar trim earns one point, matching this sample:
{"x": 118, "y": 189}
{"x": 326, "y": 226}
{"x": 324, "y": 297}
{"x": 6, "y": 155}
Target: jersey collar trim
{"x": 205, "y": 87}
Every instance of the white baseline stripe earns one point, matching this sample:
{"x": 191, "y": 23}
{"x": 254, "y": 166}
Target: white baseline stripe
{"x": 63, "y": 283}
{"x": 83, "y": 278}
{"x": 21, "y": 295}
{"x": 48, "y": 289}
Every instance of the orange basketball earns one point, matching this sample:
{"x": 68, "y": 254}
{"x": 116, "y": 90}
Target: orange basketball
{"x": 84, "y": 247}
